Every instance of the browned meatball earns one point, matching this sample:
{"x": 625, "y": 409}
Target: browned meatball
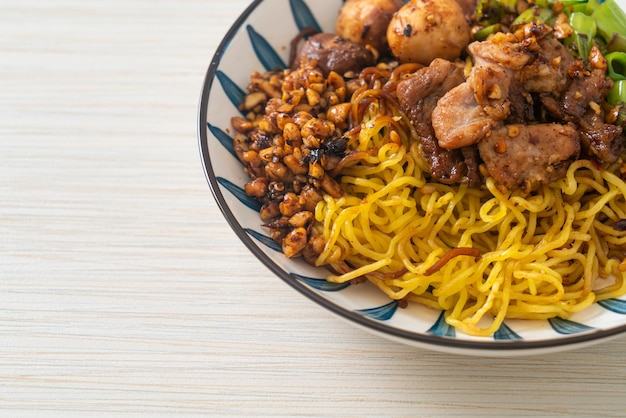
{"x": 365, "y": 21}
{"x": 334, "y": 53}
{"x": 423, "y": 30}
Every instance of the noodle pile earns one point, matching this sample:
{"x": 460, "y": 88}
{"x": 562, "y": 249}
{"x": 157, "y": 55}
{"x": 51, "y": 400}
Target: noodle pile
{"x": 480, "y": 254}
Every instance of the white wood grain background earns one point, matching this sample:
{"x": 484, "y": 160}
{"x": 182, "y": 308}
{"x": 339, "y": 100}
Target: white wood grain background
{"x": 123, "y": 292}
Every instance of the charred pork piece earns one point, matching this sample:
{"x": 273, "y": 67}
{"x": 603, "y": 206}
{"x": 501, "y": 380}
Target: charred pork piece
{"x": 419, "y": 93}
{"x": 525, "y": 156}
{"x": 418, "y": 96}
{"x": 581, "y": 102}
{"x": 602, "y": 141}
{"x": 583, "y": 90}
{"x": 507, "y": 70}
{"x": 469, "y": 111}
{"x": 334, "y": 53}
{"x": 458, "y": 121}
{"x": 547, "y": 72}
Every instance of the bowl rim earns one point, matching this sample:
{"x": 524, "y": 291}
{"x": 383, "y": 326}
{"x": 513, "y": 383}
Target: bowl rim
{"x": 377, "y": 327}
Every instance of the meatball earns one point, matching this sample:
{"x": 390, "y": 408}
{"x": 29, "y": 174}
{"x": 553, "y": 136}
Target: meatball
{"x": 423, "y": 30}
{"x": 366, "y": 21}
{"x": 334, "y": 53}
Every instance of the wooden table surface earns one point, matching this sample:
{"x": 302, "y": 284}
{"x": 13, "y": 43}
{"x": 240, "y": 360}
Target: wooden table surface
{"x": 123, "y": 291}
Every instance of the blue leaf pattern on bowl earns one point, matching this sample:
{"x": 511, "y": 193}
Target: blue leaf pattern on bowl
{"x": 441, "y": 328}
{"x": 264, "y": 51}
{"x": 321, "y": 284}
{"x": 381, "y": 313}
{"x": 264, "y": 239}
{"x": 234, "y": 93}
{"x": 505, "y": 333}
{"x": 565, "y": 326}
{"x": 240, "y": 194}
{"x": 614, "y": 305}
{"x": 302, "y": 15}
{"x": 223, "y": 138}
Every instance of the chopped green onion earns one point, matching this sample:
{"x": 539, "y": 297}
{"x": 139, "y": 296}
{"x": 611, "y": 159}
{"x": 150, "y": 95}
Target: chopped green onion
{"x": 592, "y": 6}
{"x": 568, "y": 3}
{"x": 584, "y": 31}
{"x": 483, "y": 33}
{"x": 616, "y": 65}
{"x": 576, "y": 8}
{"x": 617, "y": 43}
{"x": 617, "y": 94}
{"x": 489, "y": 12}
{"x": 509, "y": 6}
{"x": 610, "y": 19}
{"x": 534, "y": 14}
{"x": 584, "y": 24}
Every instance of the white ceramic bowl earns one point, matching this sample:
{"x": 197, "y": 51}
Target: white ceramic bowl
{"x": 259, "y": 40}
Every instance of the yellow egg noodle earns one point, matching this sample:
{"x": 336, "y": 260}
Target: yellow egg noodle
{"x": 480, "y": 254}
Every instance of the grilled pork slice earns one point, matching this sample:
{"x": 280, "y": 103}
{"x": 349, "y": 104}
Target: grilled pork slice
{"x": 507, "y": 70}
{"x": 525, "y": 156}
{"x": 418, "y": 95}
